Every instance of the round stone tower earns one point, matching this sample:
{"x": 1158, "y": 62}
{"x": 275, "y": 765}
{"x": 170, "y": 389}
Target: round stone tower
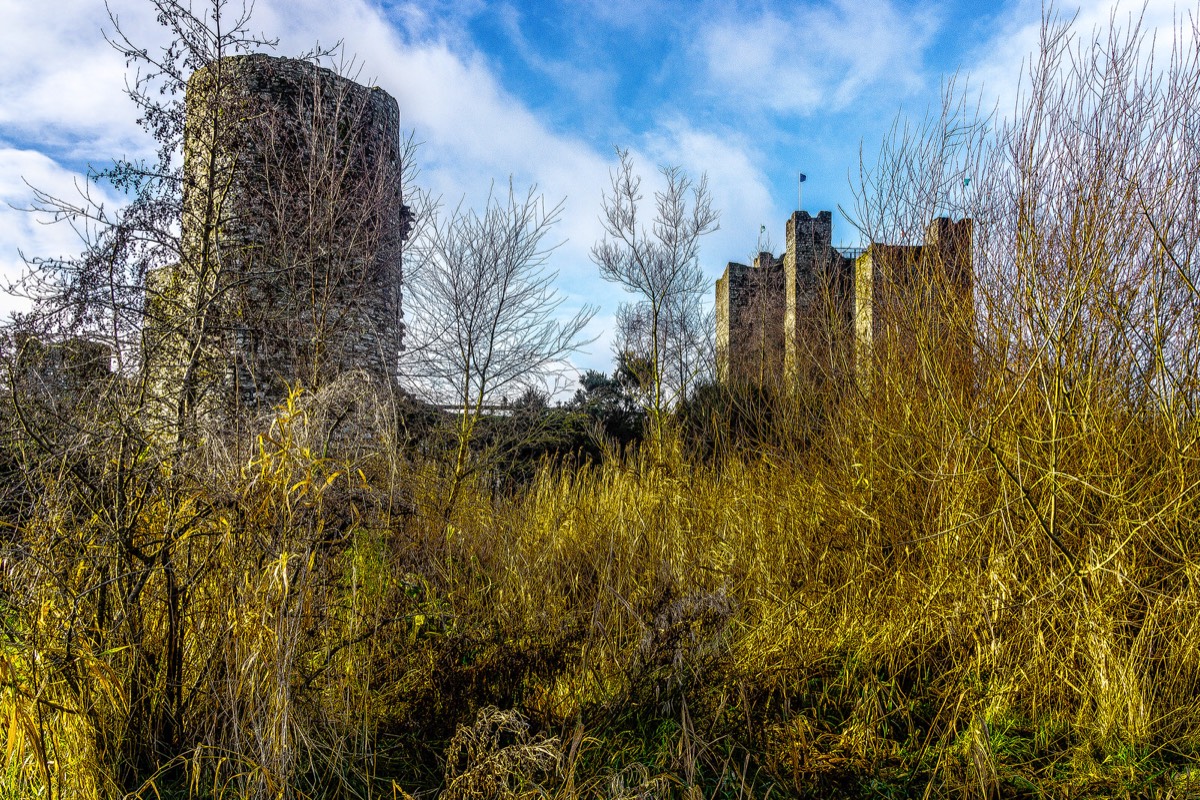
{"x": 291, "y": 237}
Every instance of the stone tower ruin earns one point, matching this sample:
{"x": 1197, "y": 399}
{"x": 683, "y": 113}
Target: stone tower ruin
{"x": 291, "y": 237}
{"x": 823, "y": 314}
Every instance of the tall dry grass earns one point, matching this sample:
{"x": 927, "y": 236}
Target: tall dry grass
{"x": 884, "y": 612}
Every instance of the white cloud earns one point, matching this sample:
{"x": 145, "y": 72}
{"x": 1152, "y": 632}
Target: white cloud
{"x": 63, "y": 99}
{"x": 28, "y": 233}
{"x": 1001, "y": 64}
{"x": 62, "y": 83}
{"x": 816, "y": 57}
{"x": 740, "y": 189}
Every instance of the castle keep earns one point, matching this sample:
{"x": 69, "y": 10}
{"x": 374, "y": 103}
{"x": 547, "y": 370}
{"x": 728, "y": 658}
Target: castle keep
{"x": 822, "y": 314}
{"x": 292, "y": 227}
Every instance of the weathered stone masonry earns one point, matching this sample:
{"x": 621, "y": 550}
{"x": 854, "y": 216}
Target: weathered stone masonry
{"x": 293, "y": 223}
{"x": 907, "y": 293}
{"x": 750, "y": 306}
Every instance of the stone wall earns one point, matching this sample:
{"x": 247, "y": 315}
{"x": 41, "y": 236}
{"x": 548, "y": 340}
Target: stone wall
{"x": 836, "y": 315}
{"x": 292, "y": 229}
{"x": 67, "y": 366}
{"x": 907, "y": 294}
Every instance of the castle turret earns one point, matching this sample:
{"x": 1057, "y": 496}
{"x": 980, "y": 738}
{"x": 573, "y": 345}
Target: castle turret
{"x": 909, "y": 294}
{"x": 749, "y": 312}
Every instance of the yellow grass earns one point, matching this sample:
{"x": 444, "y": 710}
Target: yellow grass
{"x": 884, "y": 609}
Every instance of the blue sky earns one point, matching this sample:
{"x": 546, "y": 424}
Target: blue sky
{"x": 749, "y": 93}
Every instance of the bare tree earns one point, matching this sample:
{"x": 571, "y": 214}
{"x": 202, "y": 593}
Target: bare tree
{"x": 487, "y": 318}
{"x": 660, "y": 265}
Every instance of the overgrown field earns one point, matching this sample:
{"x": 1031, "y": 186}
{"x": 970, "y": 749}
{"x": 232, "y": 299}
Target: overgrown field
{"x": 903, "y": 607}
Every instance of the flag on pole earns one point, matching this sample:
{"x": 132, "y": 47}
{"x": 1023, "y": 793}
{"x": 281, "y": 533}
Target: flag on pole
{"x": 803, "y": 177}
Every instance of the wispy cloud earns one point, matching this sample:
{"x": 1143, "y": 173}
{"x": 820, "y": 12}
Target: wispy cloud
{"x": 740, "y": 189}
{"x": 62, "y": 84}
{"x": 589, "y": 83}
{"x": 816, "y": 57}
{"x": 24, "y": 233}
